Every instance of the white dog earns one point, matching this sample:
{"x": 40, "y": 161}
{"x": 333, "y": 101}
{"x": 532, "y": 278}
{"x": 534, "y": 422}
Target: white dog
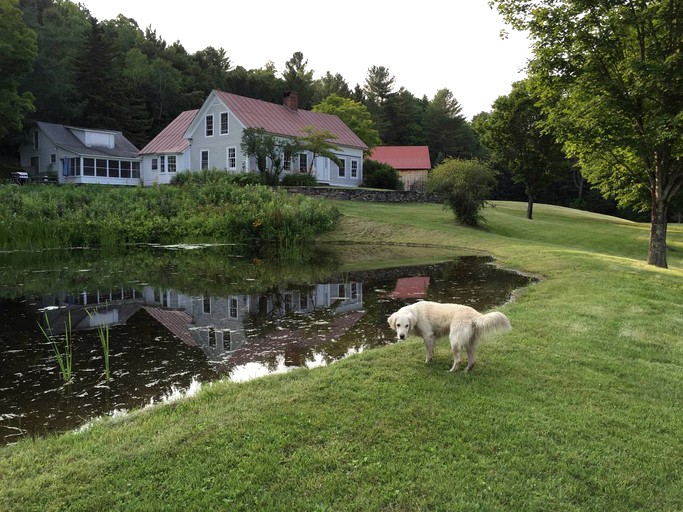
{"x": 464, "y": 325}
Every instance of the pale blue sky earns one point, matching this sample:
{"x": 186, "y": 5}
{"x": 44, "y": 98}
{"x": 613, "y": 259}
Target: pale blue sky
{"x": 435, "y": 44}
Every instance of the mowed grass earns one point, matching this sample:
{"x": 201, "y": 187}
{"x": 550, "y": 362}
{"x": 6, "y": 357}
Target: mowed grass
{"x": 578, "y": 408}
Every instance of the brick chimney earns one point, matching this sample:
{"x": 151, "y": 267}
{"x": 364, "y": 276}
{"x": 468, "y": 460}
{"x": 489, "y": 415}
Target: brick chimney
{"x": 291, "y": 100}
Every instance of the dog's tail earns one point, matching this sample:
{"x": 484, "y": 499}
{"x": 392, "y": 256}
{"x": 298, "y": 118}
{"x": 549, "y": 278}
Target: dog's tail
{"x": 492, "y": 322}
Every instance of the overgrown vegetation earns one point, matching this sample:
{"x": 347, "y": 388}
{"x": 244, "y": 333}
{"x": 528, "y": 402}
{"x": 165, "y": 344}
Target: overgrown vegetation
{"x": 578, "y": 408}
{"x": 207, "y": 207}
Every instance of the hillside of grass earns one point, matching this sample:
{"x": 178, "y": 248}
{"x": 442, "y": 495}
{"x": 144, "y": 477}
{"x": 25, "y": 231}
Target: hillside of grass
{"x": 578, "y": 408}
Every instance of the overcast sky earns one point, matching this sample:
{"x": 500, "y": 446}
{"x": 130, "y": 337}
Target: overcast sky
{"x": 434, "y": 44}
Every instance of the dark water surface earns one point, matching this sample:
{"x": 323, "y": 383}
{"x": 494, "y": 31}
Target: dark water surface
{"x": 180, "y": 316}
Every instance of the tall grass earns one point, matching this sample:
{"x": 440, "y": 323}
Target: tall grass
{"x": 37, "y": 216}
{"x": 63, "y": 353}
{"x": 103, "y": 335}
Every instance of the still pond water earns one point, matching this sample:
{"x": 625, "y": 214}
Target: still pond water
{"x": 178, "y": 316}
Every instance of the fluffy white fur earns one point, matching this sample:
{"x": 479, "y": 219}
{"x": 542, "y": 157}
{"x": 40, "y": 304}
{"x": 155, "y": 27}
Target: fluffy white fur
{"x": 464, "y": 325}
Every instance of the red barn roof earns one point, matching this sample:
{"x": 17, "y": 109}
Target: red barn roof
{"x": 402, "y": 157}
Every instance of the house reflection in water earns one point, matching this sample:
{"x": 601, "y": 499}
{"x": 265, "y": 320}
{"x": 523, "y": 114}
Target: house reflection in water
{"x": 274, "y": 328}
{"x": 250, "y": 328}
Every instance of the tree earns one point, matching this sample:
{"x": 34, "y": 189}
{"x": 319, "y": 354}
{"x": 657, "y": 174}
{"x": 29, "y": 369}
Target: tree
{"x": 378, "y": 88}
{"x": 514, "y": 133}
{"x": 318, "y": 143}
{"x": 98, "y": 81}
{"x": 18, "y": 48}
{"x": 448, "y": 133}
{"x": 355, "y": 115}
{"x": 331, "y": 84}
{"x": 61, "y": 29}
{"x": 465, "y": 186}
{"x": 404, "y": 116}
{"x": 608, "y": 74}
{"x": 270, "y": 152}
{"x": 298, "y": 78}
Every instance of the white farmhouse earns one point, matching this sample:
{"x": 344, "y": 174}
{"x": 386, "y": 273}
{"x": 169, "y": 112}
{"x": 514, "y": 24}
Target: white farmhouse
{"x": 211, "y": 138}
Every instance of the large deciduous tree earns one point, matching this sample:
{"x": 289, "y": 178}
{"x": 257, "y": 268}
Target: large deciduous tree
{"x": 354, "y": 114}
{"x": 610, "y": 78}
{"x": 18, "y": 48}
{"x": 514, "y": 134}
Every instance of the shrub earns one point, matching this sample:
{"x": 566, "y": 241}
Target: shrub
{"x": 299, "y": 180}
{"x": 379, "y": 175}
{"x": 206, "y": 176}
{"x": 465, "y": 185}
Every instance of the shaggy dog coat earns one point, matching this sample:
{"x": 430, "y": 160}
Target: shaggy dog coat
{"x": 464, "y": 325}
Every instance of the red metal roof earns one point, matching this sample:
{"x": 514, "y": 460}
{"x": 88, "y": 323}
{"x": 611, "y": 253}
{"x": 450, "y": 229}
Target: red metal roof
{"x": 402, "y": 157}
{"x": 279, "y": 120}
{"x": 171, "y": 139}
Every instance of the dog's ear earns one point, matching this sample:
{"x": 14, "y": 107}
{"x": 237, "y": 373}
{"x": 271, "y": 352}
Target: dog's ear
{"x": 392, "y": 321}
{"x": 412, "y": 320}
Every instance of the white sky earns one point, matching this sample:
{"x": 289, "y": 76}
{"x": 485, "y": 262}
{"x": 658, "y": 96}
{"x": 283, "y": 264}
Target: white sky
{"x": 431, "y": 45}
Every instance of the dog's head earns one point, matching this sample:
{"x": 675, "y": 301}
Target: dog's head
{"x": 402, "y": 322}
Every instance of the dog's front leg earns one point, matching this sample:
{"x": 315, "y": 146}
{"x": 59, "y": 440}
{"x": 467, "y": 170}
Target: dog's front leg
{"x": 429, "y": 344}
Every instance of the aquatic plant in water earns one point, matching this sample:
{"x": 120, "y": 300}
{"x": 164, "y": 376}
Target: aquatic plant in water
{"x": 65, "y": 358}
{"x": 103, "y": 334}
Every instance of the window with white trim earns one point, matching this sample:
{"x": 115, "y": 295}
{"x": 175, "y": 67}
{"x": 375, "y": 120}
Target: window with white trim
{"x": 232, "y": 158}
{"x": 208, "y": 125}
{"x": 155, "y": 164}
{"x": 162, "y": 163}
{"x": 204, "y": 159}
{"x": 354, "y": 168}
{"x": 171, "y": 163}
{"x": 225, "y": 126}
{"x": 303, "y": 162}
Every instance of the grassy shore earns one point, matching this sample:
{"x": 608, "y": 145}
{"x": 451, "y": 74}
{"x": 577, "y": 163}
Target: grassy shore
{"x": 580, "y": 407}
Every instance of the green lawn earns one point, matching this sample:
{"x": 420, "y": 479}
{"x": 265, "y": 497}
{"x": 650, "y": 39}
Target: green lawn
{"x": 578, "y": 408}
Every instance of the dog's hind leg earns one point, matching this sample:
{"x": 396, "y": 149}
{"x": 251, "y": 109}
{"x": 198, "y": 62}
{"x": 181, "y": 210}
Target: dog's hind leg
{"x": 459, "y": 337}
{"x": 456, "y": 357}
{"x": 472, "y": 352}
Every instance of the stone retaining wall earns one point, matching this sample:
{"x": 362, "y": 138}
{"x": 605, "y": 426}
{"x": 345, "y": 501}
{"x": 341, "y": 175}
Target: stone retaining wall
{"x": 359, "y": 194}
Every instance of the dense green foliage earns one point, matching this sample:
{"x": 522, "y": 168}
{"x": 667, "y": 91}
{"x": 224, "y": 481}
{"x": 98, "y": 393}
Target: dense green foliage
{"x": 354, "y": 114}
{"x": 299, "y": 180}
{"x": 42, "y": 216}
{"x": 18, "y": 48}
{"x": 515, "y": 135}
{"x": 577, "y": 408}
{"x": 465, "y": 186}
{"x": 608, "y": 75}
{"x": 380, "y": 175}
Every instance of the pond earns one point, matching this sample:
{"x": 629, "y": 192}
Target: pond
{"x": 178, "y": 316}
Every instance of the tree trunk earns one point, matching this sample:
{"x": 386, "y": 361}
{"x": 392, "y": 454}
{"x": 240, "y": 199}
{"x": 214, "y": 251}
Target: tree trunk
{"x": 530, "y": 207}
{"x": 657, "y": 251}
